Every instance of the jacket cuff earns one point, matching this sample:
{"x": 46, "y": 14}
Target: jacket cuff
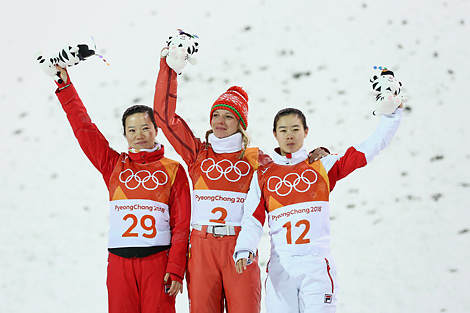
{"x": 165, "y": 66}
{"x": 174, "y": 269}
{"x": 176, "y": 278}
{"x": 65, "y": 92}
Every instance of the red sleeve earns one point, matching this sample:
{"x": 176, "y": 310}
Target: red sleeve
{"x": 93, "y": 143}
{"x": 263, "y": 159}
{"x": 180, "y": 215}
{"x": 345, "y": 165}
{"x": 260, "y": 212}
{"x": 174, "y": 127}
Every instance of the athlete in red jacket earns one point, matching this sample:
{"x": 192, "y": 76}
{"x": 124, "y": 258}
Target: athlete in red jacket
{"x": 221, "y": 169}
{"x": 149, "y": 208}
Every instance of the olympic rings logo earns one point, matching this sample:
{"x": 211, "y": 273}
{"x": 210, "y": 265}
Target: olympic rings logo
{"x": 133, "y": 181}
{"x": 289, "y": 184}
{"x": 231, "y": 172}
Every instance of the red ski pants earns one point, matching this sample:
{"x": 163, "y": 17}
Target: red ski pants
{"x": 136, "y": 285}
{"x": 212, "y": 277}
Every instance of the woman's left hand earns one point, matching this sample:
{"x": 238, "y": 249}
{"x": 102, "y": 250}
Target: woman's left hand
{"x": 175, "y": 288}
{"x": 317, "y": 154}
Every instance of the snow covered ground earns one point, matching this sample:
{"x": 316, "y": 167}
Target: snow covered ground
{"x": 400, "y": 227}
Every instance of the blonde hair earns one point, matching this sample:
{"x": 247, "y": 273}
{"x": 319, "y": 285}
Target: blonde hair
{"x": 245, "y": 139}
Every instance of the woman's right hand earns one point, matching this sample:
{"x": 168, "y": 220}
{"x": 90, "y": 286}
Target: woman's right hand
{"x": 241, "y": 264}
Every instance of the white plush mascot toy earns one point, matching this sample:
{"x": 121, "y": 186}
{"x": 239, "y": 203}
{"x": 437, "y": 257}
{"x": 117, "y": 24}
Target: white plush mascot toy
{"x": 180, "y": 49}
{"x": 69, "y": 56}
{"x": 387, "y": 89}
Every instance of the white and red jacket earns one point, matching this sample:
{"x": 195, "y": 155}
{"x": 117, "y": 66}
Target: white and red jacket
{"x": 295, "y": 195}
{"x": 220, "y": 178}
{"x": 149, "y": 194}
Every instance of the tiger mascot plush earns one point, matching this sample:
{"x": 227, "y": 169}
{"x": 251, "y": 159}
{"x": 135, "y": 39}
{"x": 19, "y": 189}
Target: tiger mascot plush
{"x": 69, "y": 56}
{"x": 387, "y": 89}
{"x": 179, "y": 50}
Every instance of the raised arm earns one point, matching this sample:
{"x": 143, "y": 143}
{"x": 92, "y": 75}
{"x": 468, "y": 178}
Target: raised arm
{"x": 339, "y": 166}
{"x": 174, "y": 127}
{"x": 93, "y": 143}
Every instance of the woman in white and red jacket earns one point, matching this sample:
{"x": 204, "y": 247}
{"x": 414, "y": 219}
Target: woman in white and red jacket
{"x": 295, "y": 196}
{"x": 149, "y": 208}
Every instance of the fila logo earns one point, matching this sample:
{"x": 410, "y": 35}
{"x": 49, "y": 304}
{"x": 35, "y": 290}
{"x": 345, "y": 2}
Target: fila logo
{"x": 328, "y": 298}
{"x": 167, "y": 288}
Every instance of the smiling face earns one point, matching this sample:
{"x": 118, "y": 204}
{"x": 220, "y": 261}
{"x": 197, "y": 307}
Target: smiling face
{"x": 223, "y": 123}
{"x": 290, "y": 133}
{"x": 140, "y": 131}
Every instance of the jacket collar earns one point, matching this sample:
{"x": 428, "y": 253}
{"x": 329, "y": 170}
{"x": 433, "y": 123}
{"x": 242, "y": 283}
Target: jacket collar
{"x": 291, "y": 158}
{"x": 228, "y": 144}
{"x": 143, "y": 156}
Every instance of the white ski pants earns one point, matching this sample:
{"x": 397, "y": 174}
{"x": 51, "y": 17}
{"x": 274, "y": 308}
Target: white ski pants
{"x": 305, "y": 284}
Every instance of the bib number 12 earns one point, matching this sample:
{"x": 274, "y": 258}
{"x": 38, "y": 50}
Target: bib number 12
{"x": 301, "y": 240}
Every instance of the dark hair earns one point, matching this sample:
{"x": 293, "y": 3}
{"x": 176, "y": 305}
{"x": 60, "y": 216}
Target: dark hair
{"x": 289, "y": 111}
{"x": 138, "y": 108}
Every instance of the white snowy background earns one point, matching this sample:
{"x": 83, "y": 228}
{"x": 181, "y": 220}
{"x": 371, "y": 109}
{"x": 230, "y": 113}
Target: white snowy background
{"x": 400, "y": 226}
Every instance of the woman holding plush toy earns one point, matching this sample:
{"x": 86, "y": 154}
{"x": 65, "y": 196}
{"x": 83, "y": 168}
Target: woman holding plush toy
{"x": 221, "y": 169}
{"x": 149, "y": 207}
{"x": 295, "y": 196}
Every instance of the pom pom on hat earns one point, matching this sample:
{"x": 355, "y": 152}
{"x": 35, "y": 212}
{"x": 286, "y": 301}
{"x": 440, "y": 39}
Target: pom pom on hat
{"x": 235, "y": 100}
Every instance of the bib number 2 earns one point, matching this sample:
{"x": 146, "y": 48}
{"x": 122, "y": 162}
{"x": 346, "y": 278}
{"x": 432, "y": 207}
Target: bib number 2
{"x": 151, "y": 230}
{"x": 223, "y": 215}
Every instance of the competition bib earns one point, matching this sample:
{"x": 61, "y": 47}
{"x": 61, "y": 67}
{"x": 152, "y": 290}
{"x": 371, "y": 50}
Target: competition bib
{"x": 217, "y": 207}
{"x": 138, "y": 223}
{"x": 301, "y": 228}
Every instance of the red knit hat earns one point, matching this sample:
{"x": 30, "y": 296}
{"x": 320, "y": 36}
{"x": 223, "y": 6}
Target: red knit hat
{"x": 234, "y": 100}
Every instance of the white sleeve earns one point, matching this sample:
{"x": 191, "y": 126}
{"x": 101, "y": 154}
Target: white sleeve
{"x": 382, "y": 136}
{"x": 252, "y": 222}
{"x": 369, "y": 148}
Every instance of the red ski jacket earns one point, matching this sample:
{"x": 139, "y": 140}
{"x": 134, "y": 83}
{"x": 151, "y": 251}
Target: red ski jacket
{"x": 108, "y": 161}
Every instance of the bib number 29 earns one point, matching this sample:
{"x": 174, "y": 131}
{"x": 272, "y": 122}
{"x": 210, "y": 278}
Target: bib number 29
{"x": 301, "y": 239}
{"x": 147, "y": 222}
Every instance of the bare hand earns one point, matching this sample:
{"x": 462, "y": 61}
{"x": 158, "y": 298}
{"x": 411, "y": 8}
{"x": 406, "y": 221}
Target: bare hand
{"x": 317, "y": 154}
{"x": 175, "y": 288}
{"x": 241, "y": 264}
{"x": 63, "y": 73}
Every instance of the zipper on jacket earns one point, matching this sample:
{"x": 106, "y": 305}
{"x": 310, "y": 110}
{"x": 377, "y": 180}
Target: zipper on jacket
{"x": 143, "y": 157}
{"x": 328, "y": 268}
